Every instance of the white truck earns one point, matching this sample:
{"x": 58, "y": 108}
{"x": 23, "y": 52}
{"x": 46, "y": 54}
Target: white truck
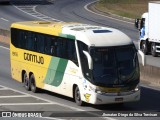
{"x": 149, "y": 28}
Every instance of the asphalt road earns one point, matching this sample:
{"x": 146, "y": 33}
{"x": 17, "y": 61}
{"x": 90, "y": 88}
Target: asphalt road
{"x": 68, "y": 11}
{"x": 13, "y": 97}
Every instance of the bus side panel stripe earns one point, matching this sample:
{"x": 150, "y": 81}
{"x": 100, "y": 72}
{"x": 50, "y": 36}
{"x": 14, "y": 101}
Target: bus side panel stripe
{"x": 56, "y": 71}
{"x": 57, "y": 79}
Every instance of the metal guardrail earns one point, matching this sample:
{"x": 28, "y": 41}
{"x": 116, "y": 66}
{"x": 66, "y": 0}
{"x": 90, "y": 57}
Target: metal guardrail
{"x": 150, "y": 74}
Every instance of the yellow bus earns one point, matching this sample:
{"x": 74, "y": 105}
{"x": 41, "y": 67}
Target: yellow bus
{"x": 92, "y": 64}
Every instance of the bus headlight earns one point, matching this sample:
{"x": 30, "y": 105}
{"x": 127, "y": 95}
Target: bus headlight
{"x": 137, "y": 88}
{"x": 96, "y": 90}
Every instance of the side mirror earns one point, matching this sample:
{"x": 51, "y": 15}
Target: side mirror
{"x": 90, "y": 62}
{"x": 137, "y": 23}
{"x": 143, "y": 57}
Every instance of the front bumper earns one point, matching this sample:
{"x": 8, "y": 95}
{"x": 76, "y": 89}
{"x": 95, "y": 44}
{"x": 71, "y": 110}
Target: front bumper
{"x": 99, "y": 98}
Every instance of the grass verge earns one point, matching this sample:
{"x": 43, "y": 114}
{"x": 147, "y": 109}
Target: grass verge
{"x": 126, "y": 8}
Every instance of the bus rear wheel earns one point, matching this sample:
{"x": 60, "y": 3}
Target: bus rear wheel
{"x": 34, "y": 89}
{"x": 26, "y": 82}
{"x": 77, "y": 97}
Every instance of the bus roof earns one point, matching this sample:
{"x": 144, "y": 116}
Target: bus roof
{"x": 89, "y": 34}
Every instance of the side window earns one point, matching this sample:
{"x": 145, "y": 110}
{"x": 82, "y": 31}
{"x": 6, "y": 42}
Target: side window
{"x": 71, "y": 51}
{"x": 83, "y": 59}
{"x": 30, "y": 38}
{"x": 65, "y": 48}
{"x": 50, "y": 48}
{"x": 40, "y": 42}
{"x": 14, "y": 37}
{"x": 22, "y": 39}
{"x": 53, "y": 46}
{"x": 46, "y": 44}
{"x": 18, "y": 38}
{"x": 60, "y": 48}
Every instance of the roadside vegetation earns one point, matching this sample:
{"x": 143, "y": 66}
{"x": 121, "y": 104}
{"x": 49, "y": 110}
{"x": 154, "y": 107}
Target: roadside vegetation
{"x": 125, "y": 8}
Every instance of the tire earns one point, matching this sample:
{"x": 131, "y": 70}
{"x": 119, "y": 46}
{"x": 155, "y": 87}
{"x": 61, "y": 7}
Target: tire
{"x": 153, "y": 50}
{"x": 144, "y": 48}
{"x": 26, "y": 82}
{"x": 77, "y": 96}
{"x": 34, "y": 89}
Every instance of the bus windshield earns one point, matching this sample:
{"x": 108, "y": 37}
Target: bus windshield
{"x": 114, "y": 65}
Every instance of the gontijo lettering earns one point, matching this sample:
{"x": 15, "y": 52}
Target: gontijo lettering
{"x": 33, "y": 58}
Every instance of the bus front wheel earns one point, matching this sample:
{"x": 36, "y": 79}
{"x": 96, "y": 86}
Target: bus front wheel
{"x": 34, "y": 89}
{"x": 77, "y": 96}
{"x": 26, "y": 82}
{"x": 144, "y": 47}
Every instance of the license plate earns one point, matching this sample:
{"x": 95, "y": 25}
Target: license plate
{"x": 119, "y": 99}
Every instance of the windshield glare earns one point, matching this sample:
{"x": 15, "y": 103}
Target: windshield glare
{"x": 114, "y": 65}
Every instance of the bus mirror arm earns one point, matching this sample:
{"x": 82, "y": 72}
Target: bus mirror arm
{"x": 143, "y": 57}
{"x": 90, "y": 62}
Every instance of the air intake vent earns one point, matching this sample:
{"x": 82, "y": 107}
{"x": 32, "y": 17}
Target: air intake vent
{"x": 102, "y": 31}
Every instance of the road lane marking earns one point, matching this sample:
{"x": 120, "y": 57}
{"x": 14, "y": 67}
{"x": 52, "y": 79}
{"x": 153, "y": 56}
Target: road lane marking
{"x": 49, "y": 102}
{"x": 3, "y": 88}
{"x": 27, "y": 12}
{"x": 14, "y": 96}
{"x": 29, "y": 95}
{"x": 63, "y": 105}
{"x": 53, "y": 118}
{"x": 34, "y": 9}
{"x": 19, "y": 104}
{"x": 5, "y": 19}
{"x": 4, "y": 47}
{"x": 36, "y": 14}
{"x": 86, "y": 8}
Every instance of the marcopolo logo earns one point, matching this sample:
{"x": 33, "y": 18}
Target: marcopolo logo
{"x": 33, "y": 58}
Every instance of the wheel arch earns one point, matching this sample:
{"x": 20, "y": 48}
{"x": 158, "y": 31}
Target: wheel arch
{"x": 30, "y": 73}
